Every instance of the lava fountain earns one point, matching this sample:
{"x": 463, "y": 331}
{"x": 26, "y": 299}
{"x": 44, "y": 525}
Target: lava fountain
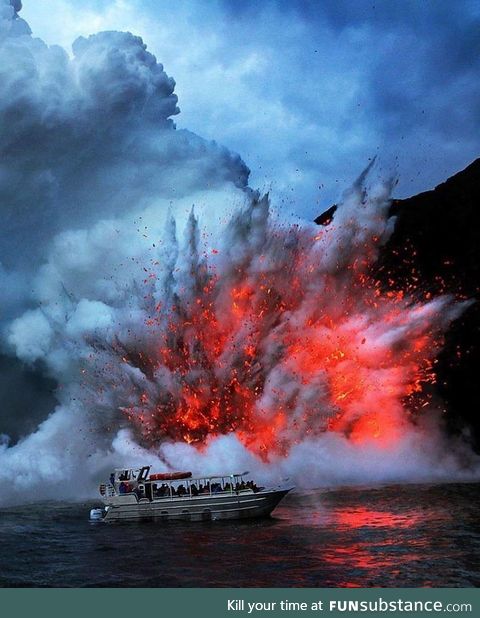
{"x": 275, "y": 332}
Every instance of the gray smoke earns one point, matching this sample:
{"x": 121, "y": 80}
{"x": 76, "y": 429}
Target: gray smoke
{"x": 84, "y": 138}
{"x": 90, "y": 135}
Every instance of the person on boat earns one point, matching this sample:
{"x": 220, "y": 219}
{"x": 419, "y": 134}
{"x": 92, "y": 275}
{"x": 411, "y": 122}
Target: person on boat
{"x": 251, "y": 485}
{"x": 193, "y": 489}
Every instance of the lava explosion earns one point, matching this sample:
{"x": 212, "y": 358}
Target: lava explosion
{"x": 240, "y": 341}
{"x": 275, "y": 332}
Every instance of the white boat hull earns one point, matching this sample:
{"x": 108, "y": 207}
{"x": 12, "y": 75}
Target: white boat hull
{"x": 200, "y": 508}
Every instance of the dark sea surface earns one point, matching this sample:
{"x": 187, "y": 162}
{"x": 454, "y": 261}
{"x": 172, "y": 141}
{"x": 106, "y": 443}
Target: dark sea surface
{"x": 409, "y": 535}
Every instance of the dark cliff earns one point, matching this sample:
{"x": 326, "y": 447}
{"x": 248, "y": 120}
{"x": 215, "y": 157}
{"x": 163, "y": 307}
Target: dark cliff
{"x": 438, "y": 234}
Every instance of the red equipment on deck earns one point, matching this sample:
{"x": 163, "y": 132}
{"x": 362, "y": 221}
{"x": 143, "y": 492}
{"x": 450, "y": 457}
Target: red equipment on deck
{"x": 170, "y": 476}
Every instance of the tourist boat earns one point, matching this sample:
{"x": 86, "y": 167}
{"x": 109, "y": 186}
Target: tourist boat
{"x": 137, "y": 495}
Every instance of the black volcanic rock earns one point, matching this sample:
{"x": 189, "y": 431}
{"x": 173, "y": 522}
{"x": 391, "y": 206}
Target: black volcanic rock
{"x": 326, "y": 217}
{"x": 438, "y": 231}
{"x": 437, "y": 240}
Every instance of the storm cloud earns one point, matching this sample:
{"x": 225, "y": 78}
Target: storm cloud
{"x": 306, "y": 90}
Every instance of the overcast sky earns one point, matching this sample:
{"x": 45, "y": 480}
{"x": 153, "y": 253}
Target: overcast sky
{"x": 307, "y": 92}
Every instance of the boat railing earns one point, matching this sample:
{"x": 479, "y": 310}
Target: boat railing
{"x": 107, "y": 490}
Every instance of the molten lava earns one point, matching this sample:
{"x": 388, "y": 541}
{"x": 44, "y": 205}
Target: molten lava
{"x": 279, "y": 334}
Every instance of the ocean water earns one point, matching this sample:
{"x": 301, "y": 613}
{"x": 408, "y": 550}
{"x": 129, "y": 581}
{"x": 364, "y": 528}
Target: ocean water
{"x": 409, "y": 535}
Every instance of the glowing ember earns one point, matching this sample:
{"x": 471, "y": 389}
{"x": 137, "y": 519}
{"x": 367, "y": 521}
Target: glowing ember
{"x": 277, "y": 334}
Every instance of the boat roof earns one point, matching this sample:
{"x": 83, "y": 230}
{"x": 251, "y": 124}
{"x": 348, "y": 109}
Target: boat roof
{"x": 214, "y": 476}
{"x": 190, "y": 478}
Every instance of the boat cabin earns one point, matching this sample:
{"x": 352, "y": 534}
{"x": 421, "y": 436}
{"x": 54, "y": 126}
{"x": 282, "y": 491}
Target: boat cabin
{"x": 174, "y": 485}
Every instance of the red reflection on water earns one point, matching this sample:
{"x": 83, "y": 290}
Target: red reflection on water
{"x": 367, "y": 518}
{"x": 378, "y": 552}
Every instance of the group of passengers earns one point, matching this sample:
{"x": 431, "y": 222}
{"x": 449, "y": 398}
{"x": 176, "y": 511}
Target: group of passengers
{"x": 248, "y": 485}
{"x": 125, "y": 488}
{"x": 165, "y": 491}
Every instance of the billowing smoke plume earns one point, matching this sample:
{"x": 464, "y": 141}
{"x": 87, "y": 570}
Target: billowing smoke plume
{"x": 82, "y": 138}
{"x": 214, "y": 336}
{"x": 90, "y": 134}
